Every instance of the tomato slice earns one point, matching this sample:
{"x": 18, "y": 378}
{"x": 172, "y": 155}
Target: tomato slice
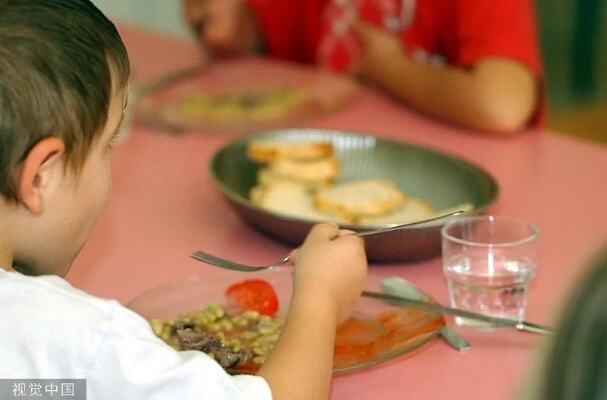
{"x": 254, "y": 294}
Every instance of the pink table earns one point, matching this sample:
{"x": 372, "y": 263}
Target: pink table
{"x": 164, "y": 206}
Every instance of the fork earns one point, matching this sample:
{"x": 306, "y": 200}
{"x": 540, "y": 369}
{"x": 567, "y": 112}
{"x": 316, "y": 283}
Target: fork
{"x": 403, "y": 301}
{"x": 227, "y": 264}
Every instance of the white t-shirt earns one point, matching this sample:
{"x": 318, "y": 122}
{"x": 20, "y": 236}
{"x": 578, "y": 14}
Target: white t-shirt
{"x": 49, "y": 330}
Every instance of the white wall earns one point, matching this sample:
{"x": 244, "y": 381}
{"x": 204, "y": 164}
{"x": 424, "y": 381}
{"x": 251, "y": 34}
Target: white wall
{"x": 161, "y": 15}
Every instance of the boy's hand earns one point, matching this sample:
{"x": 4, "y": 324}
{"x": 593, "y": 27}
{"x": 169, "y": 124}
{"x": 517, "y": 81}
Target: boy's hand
{"x": 331, "y": 268}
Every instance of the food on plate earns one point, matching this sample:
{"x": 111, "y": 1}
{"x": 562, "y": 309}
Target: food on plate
{"x": 240, "y": 339}
{"x": 267, "y": 177}
{"x": 298, "y": 179}
{"x": 265, "y": 151}
{"x": 253, "y": 105}
{"x": 288, "y": 198}
{"x": 412, "y": 210}
{"x": 254, "y": 294}
{"x": 360, "y": 199}
{"x": 323, "y": 169}
{"x": 362, "y": 339}
{"x": 313, "y": 173}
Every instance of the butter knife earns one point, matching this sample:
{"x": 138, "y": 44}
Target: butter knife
{"x": 437, "y": 308}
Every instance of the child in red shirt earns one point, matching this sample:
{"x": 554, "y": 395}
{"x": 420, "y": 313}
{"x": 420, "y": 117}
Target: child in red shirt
{"x": 472, "y": 62}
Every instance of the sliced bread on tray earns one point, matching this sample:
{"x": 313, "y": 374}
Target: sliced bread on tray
{"x": 412, "y": 210}
{"x": 264, "y": 151}
{"x": 356, "y": 200}
{"x": 288, "y": 198}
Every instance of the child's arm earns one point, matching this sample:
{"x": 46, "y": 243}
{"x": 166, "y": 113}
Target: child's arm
{"x": 329, "y": 275}
{"x": 496, "y": 95}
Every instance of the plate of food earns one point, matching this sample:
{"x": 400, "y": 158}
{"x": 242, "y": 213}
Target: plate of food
{"x": 243, "y": 96}
{"x": 283, "y": 181}
{"x": 237, "y": 319}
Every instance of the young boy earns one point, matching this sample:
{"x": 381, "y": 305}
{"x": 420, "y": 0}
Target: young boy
{"x": 63, "y": 74}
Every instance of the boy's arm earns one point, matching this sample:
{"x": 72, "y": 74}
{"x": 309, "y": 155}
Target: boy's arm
{"x": 301, "y": 363}
{"x": 496, "y": 95}
{"x": 330, "y": 271}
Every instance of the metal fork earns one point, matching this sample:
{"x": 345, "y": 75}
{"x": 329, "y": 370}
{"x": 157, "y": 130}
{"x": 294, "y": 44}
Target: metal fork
{"x": 227, "y": 264}
{"x": 234, "y": 266}
{"x": 403, "y": 301}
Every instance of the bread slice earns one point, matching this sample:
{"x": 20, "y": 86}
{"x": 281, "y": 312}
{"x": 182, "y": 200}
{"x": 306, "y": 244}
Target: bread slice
{"x": 291, "y": 199}
{"x": 267, "y": 177}
{"x": 264, "y": 151}
{"x": 318, "y": 169}
{"x": 256, "y": 195}
{"x": 413, "y": 210}
{"x": 361, "y": 199}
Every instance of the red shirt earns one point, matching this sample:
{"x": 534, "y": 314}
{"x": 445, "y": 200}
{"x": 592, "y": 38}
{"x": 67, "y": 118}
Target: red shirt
{"x": 291, "y": 28}
{"x": 457, "y": 32}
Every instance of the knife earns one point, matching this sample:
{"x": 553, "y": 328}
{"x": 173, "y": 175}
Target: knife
{"x": 437, "y": 308}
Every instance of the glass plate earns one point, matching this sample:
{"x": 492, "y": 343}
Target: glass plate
{"x": 401, "y": 331}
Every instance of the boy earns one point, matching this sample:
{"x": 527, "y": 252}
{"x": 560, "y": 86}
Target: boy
{"x": 63, "y": 74}
{"x": 471, "y": 62}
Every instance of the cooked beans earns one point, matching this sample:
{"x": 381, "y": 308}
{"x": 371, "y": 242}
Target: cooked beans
{"x": 247, "y": 336}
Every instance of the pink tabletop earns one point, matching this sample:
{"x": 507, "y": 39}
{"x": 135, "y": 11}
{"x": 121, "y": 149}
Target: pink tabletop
{"x": 164, "y": 206}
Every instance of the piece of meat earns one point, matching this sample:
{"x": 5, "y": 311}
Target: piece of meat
{"x": 244, "y": 356}
{"x": 192, "y": 340}
{"x": 210, "y": 344}
{"x": 226, "y": 358}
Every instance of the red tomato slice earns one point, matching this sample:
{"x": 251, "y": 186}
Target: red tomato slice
{"x": 254, "y": 294}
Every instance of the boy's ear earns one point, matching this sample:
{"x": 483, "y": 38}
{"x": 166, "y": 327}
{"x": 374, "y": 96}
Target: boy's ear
{"x": 36, "y": 171}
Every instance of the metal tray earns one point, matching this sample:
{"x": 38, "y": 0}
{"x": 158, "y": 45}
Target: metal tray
{"x": 442, "y": 180}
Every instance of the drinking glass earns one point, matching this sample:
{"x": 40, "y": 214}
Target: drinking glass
{"x": 488, "y": 262}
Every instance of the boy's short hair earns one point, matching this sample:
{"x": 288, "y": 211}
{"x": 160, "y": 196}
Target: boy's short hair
{"x": 60, "y": 63}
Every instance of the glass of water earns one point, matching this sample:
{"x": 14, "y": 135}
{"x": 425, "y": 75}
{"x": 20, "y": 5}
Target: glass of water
{"x": 489, "y": 262}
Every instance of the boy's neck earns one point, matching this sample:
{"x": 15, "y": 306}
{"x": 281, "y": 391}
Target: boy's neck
{"x": 6, "y": 260}
{"x": 6, "y": 263}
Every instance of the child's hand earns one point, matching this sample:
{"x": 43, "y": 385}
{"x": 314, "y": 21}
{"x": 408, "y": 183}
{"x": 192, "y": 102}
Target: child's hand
{"x": 331, "y": 91}
{"x": 222, "y": 25}
{"x": 379, "y": 47}
{"x": 331, "y": 267}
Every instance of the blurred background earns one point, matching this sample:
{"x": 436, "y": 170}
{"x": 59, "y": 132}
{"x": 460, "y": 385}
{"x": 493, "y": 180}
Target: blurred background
{"x": 573, "y": 36}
